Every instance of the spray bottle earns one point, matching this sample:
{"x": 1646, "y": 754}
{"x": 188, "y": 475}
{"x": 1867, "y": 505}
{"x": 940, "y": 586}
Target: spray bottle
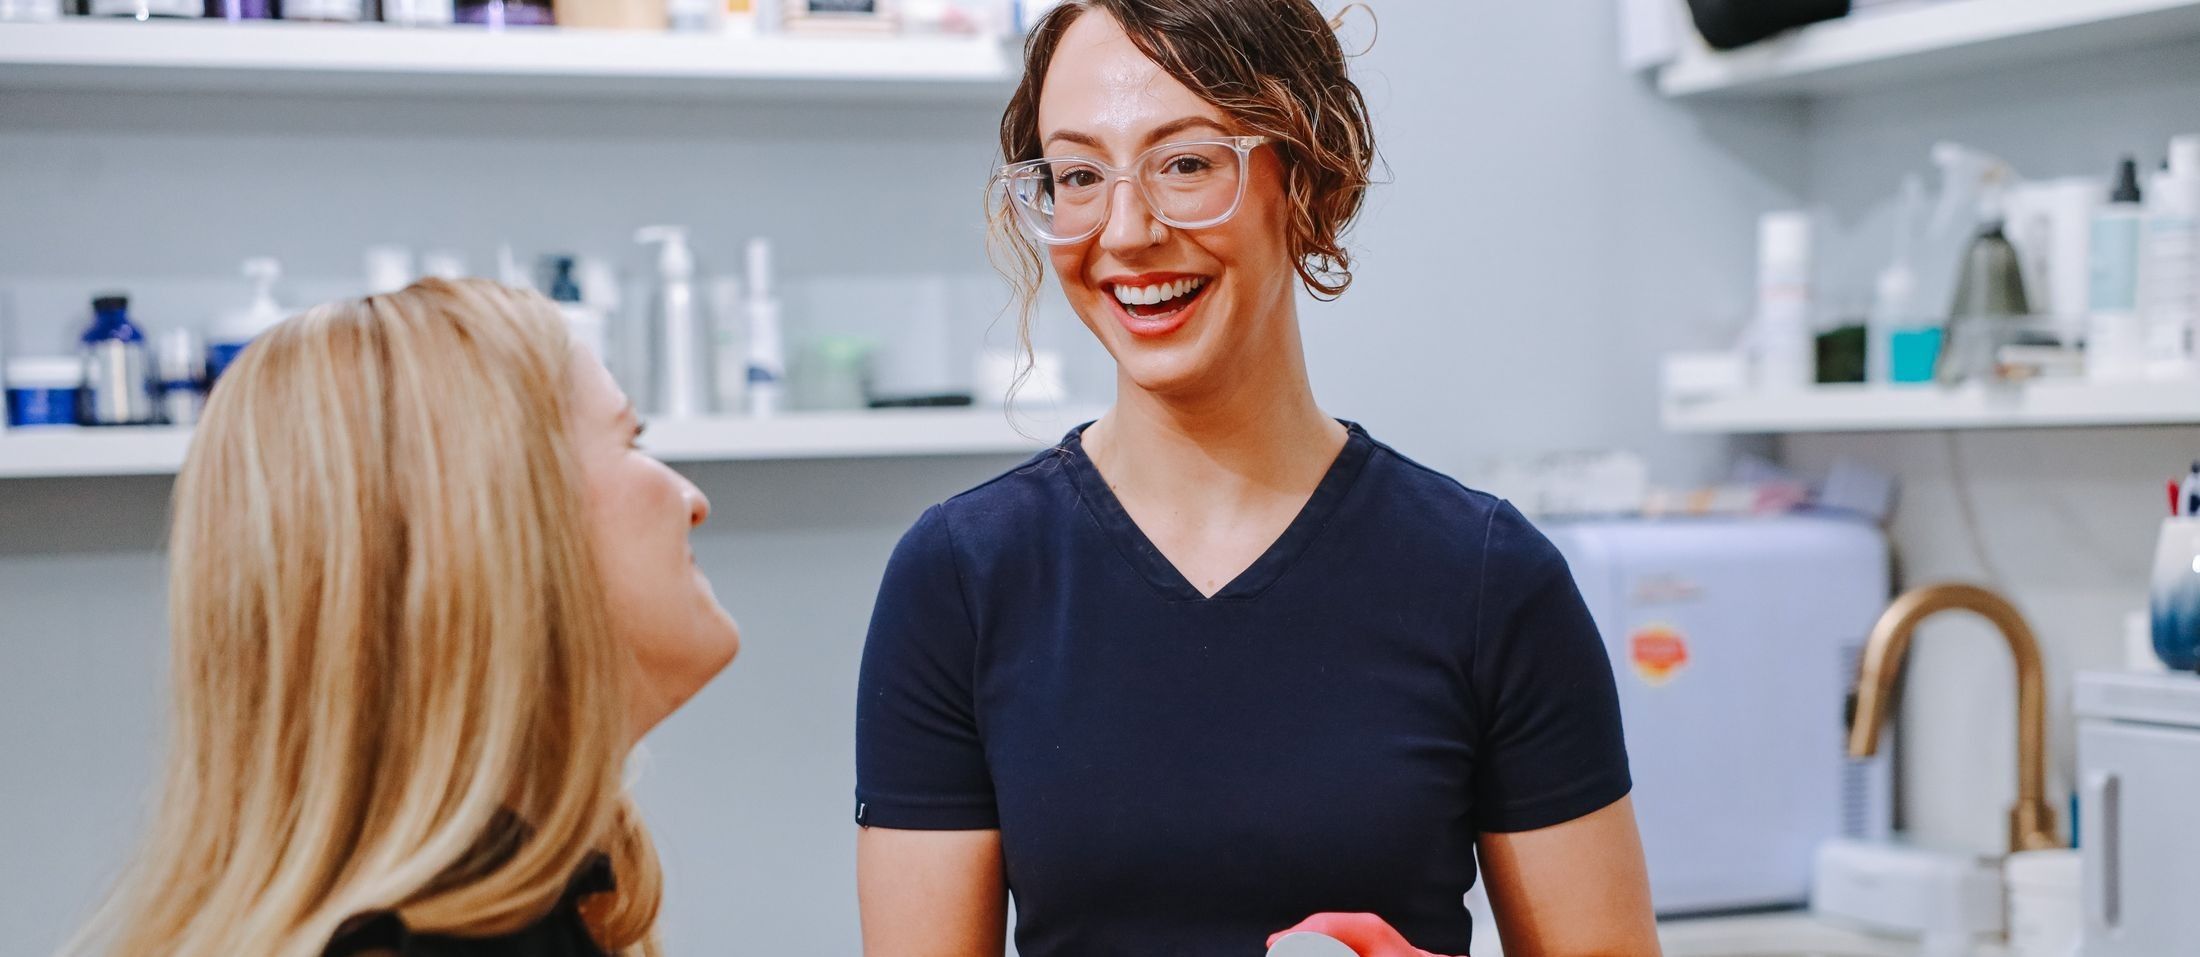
{"x": 767, "y": 348}
{"x": 1990, "y": 292}
{"x": 679, "y": 363}
{"x": 1894, "y": 299}
{"x": 238, "y": 328}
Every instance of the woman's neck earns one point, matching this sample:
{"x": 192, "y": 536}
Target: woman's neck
{"x": 1260, "y": 432}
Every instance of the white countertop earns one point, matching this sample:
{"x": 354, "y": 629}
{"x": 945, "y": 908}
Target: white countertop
{"x": 1787, "y": 934}
{"x": 1794, "y": 933}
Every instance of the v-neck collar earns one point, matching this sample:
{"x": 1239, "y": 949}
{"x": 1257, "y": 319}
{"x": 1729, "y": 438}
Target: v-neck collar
{"x": 1139, "y": 551}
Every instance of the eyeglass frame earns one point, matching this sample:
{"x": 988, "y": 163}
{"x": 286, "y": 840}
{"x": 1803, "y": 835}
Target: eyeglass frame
{"x": 1244, "y": 145}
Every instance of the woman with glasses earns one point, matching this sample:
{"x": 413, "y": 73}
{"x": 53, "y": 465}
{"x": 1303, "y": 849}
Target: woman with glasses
{"x": 1222, "y": 665}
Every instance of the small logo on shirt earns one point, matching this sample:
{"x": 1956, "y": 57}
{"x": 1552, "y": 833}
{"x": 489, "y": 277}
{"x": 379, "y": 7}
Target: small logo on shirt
{"x": 1659, "y": 651}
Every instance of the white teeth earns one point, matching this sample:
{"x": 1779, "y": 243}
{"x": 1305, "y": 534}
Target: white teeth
{"x": 1155, "y": 294}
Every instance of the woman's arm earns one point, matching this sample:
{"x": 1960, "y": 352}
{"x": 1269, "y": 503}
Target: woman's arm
{"x": 931, "y": 893}
{"x": 1578, "y": 889}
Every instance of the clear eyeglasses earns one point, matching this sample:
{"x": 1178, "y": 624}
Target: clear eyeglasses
{"x": 1190, "y": 185}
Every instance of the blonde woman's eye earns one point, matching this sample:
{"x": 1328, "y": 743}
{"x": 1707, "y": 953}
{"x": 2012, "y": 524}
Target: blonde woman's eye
{"x": 635, "y": 441}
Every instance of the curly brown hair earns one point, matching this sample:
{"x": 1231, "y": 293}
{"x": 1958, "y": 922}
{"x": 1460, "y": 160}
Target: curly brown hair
{"x": 1273, "y": 66}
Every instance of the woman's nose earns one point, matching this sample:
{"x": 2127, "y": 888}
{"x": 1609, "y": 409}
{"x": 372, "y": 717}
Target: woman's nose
{"x": 1130, "y": 223}
{"x": 698, "y": 504}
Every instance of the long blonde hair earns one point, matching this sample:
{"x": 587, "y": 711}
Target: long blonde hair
{"x": 396, "y": 687}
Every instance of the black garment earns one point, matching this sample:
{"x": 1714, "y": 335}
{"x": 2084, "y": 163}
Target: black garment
{"x": 1407, "y": 667}
{"x": 560, "y": 933}
{"x": 1731, "y": 24}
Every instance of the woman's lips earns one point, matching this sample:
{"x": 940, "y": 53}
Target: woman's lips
{"x": 1161, "y": 324}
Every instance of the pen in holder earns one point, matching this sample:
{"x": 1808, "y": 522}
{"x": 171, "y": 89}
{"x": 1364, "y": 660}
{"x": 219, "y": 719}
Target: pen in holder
{"x": 2175, "y": 597}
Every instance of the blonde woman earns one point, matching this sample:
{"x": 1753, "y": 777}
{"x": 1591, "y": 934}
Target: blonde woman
{"x": 426, "y": 594}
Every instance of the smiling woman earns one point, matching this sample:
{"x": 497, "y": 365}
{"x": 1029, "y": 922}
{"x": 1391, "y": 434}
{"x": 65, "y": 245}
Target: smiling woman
{"x": 1221, "y": 664}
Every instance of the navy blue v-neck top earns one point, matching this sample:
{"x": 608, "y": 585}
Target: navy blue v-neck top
{"x": 1408, "y": 666}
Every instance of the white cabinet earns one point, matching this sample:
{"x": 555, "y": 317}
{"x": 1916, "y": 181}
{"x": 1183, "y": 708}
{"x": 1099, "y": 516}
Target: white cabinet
{"x": 2139, "y": 775}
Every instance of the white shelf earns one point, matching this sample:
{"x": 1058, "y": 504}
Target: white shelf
{"x": 1932, "y": 39}
{"x": 39, "y": 453}
{"x": 1890, "y": 409}
{"x": 377, "y": 59}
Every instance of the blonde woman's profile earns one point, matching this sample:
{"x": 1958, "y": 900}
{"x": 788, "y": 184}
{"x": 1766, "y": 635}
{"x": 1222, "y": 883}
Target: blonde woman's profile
{"x": 426, "y": 593}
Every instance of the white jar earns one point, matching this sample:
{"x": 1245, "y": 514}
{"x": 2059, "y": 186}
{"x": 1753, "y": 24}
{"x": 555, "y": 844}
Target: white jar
{"x": 2046, "y": 912}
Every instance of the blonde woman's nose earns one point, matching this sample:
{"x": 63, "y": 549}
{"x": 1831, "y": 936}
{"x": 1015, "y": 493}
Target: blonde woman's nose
{"x": 698, "y": 504}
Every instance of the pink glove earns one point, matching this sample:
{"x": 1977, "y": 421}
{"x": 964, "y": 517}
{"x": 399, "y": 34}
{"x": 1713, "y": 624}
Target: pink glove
{"x": 1367, "y": 935}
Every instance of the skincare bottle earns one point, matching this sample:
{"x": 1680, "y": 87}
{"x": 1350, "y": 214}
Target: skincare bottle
{"x": 590, "y": 327}
{"x": 767, "y": 349}
{"x": 738, "y": 19}
{"x": 729, "y": 353}
{"x": 2170, "y": 302}
{"x": 30, "y": 11}
{"x": 240, "y": 327}
{"x": 1786, "y": 351}
{"x": 118, "y": 370}
{"x": 180, "y": 364}
{"x": 44, "y": 391}
{"x": 2115, "y": 343}
{"x": 148, "y": 9}
{"x": 679, "y": 361}
{"x": 419, "y": 13}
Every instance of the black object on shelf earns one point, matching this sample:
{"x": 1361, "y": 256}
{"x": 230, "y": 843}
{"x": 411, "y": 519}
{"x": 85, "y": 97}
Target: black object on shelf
{"x": 1841, "y": 355}
{"x": 942, "y": 400}
{"x": 1732, "y": 24}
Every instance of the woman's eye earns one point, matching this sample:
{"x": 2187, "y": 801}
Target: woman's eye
{"x": 1187, "y": 166}
{"x": 634, "y": 441}
{"x": 1078, "y": 178}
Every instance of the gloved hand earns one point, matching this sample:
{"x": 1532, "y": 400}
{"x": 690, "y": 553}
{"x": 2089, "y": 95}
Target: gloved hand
{"x": 1367, "y": 935}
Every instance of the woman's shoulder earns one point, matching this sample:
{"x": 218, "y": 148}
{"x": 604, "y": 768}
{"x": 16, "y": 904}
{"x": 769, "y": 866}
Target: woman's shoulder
{"x": 1429, "y": 498}
{"x": 999, "y": 513}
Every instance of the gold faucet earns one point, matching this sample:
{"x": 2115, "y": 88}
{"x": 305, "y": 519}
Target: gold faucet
{"x": 2031, "y": 821}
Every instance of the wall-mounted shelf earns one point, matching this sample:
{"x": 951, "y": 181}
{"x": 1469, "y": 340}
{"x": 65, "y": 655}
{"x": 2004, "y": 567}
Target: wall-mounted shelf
{"x": 376, "y": 59}
{"x": 1933, "y": 38}
{"x": 35, "y": 453}
{"x": 1885, "y": 409}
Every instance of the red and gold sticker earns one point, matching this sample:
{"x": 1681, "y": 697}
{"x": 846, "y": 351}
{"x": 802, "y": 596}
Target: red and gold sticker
{"x": 1659, "y": 652}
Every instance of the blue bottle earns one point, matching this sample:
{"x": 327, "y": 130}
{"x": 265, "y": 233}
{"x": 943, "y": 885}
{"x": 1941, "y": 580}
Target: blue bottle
{"x": 118, "y": 369}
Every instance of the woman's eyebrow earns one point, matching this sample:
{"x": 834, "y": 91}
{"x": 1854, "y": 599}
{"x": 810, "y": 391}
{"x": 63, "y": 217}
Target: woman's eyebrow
{"x": 1158, "y": 133}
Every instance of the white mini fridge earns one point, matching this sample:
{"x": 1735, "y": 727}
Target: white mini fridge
{"x": 1736, "y": 644}
{"x": 2139, "y": 791}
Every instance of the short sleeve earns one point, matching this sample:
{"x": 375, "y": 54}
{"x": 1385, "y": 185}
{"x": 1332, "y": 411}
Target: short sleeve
{"x": 920, "y": 764}
{"x": 1551, "y": 746}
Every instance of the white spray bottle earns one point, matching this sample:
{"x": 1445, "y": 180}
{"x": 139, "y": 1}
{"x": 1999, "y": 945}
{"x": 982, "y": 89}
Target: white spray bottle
{"x": 679, "y": 363}
{"x": 767, "y": 348}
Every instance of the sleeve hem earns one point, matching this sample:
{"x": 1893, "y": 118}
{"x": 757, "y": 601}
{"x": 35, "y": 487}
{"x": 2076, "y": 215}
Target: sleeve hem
{"x": 1557, "y": 809}
{"x": 915, "y": 817}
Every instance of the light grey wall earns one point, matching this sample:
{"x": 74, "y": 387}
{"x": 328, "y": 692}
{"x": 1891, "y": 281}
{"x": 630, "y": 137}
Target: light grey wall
{"x": 1549, "y": 228}
{"x": 2065, "y": 520}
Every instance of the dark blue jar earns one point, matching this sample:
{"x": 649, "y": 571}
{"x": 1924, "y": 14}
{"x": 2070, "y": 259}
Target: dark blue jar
{"x": 44, "y": 391}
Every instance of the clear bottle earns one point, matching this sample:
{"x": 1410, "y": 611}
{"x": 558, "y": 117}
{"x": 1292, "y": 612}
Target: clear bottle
{"x": 767, "y": 386}
{"x": 2115, "y": 347}
{"x": 180, "y": 364}
{"x": 2170, "y": 304}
